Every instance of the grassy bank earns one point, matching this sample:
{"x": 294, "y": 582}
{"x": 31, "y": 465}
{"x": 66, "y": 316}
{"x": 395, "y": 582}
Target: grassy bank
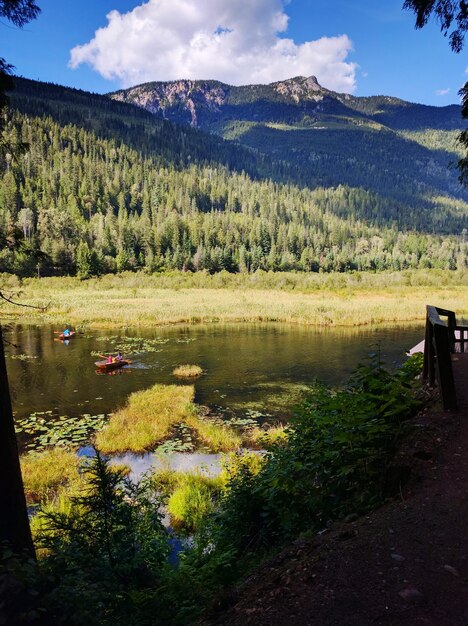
{"x": 315, "y": 299}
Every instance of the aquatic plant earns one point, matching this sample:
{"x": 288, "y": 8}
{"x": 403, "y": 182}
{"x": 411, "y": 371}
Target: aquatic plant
{"x": 266, "y": 438}
{"x": 131, "y": 345}
{"x": 187, "y": 371}
{"x": 215, "y": 434}
{"x": 146, "y": 419}
{"x": 164, "y": 418}
{"x": 23, "y": 357}
{"x": 190, "y": 497}
{"x": 44, "y": 429}
{"x": 181, "y": 439}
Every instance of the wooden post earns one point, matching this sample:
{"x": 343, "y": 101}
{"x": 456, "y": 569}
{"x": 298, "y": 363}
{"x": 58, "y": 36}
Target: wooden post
{"x": 444, "y": 366}
{"x": 14, "y": 522}
{"x": 427, "y": 351}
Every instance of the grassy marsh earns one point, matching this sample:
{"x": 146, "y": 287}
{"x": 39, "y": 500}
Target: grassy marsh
{"x": 138, "y": 299}
{"x": 214, "y": 434}
{"x": 193, "y": 498}
{"x": 261, "y": 438}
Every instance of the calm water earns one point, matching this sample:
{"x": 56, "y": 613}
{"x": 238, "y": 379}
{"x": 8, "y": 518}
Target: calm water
{"x": 248, "y": 369}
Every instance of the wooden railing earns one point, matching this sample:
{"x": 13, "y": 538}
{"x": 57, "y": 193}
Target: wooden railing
{"x": 440, "y": 343}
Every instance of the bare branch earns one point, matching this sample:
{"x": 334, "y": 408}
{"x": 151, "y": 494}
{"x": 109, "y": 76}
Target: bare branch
{"x": 29, "y": 306}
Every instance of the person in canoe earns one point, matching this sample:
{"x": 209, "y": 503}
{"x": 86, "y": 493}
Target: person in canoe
{"x": 112, "y": 359}
{"x": 111, "y": 362}
{"x": 66, "y": 333}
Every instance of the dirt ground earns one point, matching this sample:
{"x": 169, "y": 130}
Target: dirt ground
{"x": 406, "y": 563}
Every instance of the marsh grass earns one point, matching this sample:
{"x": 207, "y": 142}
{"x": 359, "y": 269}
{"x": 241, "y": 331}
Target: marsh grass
{"x": 146, "y": 419}
{"x": 47, "y": 474}
{"x": 187, "y": 371}
{"x": 153, "y": 415}
{"x": 214, "y": 434}
{"x": 139, "y": 299}
{"x": 164, "y": 480}
{"x": 190, "y": 497}
{"x": 121, "y": 468}
{"x": 261, "y": 438}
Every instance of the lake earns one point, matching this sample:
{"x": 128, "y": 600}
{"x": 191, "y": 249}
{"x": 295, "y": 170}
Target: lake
{"x": 249, "y": 370}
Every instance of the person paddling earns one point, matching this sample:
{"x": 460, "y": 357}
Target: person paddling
{"x": 110, "y": 358}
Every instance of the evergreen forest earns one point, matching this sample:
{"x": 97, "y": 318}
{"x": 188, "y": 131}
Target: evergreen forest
{"x": 93, "y": 186}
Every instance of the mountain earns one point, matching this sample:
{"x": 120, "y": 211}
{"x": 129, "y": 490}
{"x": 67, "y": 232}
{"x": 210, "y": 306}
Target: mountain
{"x": 300, "y": 100}
{"x": 106, "y": 186}
{"x": 401, "y": 150}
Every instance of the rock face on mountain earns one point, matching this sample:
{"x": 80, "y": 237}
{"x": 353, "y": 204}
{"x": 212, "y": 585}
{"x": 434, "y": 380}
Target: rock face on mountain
{"x": 180, "y": 99}
{"x": 301, "y": 88}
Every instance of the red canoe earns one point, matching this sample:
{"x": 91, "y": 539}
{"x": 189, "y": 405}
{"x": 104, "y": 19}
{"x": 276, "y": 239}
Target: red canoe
{"x": 69, "y": 336}
{"x": 104, "y": 366}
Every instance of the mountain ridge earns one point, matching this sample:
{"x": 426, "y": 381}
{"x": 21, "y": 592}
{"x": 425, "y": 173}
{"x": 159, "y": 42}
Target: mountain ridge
{"x": 398, "y": 149}
{"x": 172, "y": 98}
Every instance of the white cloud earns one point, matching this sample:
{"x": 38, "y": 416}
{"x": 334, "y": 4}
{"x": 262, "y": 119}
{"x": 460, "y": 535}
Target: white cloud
{"x": 442, "y": 92}
{"x": 235, "y": 41}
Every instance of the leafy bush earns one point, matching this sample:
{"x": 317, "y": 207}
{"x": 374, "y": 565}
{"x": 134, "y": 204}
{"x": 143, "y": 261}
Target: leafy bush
{"x": 339, "y": 445}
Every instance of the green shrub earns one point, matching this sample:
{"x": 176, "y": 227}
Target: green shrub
{"x": 109, "y": 545}
{"x": 334, "y": 461}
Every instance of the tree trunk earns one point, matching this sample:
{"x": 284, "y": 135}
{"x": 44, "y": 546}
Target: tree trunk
{"x": 14, "y": 522}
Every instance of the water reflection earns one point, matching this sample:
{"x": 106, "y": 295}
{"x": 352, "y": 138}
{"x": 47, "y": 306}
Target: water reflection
{"x": 207, "y": 464}
{"x": 258, "y": 368}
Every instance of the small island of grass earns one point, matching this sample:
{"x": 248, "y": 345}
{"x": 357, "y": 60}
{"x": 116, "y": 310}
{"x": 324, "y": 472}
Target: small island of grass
{"x": 151, "y": 416}
{"x": 146, "y": 419}
{"x": 187, "y": 371}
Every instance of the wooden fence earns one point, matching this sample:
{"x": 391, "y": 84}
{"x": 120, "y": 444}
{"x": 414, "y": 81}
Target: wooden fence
{"x": 441, "y": 341}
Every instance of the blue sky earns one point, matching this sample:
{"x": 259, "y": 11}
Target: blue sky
{"x": 359, "y": 46}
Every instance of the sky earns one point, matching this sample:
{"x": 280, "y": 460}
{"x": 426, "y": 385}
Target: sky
{"x": 363, "y": 47}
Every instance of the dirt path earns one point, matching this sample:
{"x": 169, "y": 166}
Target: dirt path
{"x": 406, "y": 563}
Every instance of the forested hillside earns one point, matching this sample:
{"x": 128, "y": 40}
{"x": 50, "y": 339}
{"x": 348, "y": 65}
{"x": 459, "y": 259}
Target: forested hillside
{"x": 334, "y": 138}
{"x": 105, "y": 186}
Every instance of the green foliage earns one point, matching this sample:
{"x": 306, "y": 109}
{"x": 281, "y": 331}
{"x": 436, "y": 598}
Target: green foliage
{"x": 19, "y": 585}
{"x": 192, "y": 502}
{"x": 46, "y": 474}
{"x": 333, "y": 462}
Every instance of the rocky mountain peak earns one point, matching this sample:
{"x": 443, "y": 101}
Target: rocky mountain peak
{"x": 301, "y": 88}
